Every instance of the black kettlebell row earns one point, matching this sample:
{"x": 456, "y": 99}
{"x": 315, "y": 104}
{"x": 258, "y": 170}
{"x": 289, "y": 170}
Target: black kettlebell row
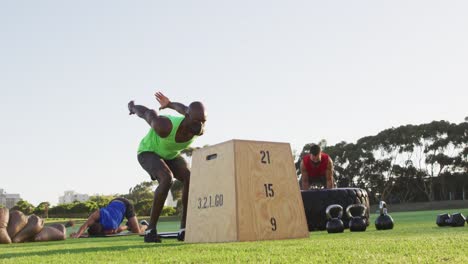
{"x": 454, "y": 220}
{"x": 384, "y": 221}
{"x": 356, "y": 213}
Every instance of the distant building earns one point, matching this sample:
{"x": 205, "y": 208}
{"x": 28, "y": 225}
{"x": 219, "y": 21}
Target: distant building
{"x": 72, "y": 196}
{"x": 8, "y": 199}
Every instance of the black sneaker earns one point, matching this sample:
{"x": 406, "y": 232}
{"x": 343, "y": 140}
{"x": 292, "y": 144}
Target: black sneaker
{"x": 144, "y": 222}
{"x": 181, "y": 234}
{"x": 151, "y": 236}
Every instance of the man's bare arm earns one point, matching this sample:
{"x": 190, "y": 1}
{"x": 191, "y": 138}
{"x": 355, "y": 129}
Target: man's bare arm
{"x": 161, "y": 125}
{"x": 94, "y": 217}
{"x": 304, "y": 178}
{"x": 166, "y": 103}
{"x": 330, "y": 180}
{"x": 180, "y": 108}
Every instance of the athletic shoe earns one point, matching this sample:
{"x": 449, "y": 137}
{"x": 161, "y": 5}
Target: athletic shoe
{"x": 151, "y": 236}
{"x": 181, "y": 234}
{"x": 144, "y": 222}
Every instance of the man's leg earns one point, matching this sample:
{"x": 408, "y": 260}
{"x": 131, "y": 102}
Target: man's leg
{"x": 181, "y": 172}
{"x": 4, "y": 217}
{"x": 132, "y": 220}
{"x": 134, "y": 226}
{"x": 158, "y": 170}
{"x": 52, "y": 233}
{"x": 16, "y": 223}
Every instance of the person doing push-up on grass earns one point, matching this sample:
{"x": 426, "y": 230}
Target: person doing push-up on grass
{"x": 159, "y": 151}
{"x": 317, "y": 169}
{"x": 107, "y": 220}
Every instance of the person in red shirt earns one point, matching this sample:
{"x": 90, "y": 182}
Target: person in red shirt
{"x": 317, "y": 169}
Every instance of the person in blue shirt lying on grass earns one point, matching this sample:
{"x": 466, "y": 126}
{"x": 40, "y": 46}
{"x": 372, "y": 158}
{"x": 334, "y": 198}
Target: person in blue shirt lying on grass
{"x": 107, "y": 220}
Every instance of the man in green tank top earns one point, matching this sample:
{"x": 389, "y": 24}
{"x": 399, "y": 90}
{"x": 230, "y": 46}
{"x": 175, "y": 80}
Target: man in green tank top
{"x": 159, "y": 151}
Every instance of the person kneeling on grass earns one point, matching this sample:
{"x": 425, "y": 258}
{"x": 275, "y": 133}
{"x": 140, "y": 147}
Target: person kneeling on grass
{"x": 107, "y": 220}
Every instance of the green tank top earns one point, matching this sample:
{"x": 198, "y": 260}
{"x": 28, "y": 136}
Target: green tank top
{"x": 167, "y": 148}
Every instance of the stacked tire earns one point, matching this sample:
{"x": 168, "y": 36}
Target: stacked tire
{"x": 316, "y": 202}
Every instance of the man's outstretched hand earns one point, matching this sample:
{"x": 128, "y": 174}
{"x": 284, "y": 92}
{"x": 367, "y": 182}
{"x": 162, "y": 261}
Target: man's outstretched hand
{"x": 131, "y": 104}
{"x": 162, "y": 99}
{"x": 74, "y": 235}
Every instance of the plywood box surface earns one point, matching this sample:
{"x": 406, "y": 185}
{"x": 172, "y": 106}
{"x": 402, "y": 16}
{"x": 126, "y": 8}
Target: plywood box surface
{"x": 244, "y": 190}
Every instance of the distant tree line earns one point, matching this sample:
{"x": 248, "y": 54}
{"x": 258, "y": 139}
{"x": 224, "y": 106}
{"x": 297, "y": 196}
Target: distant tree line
{"x": 411, "y": 163}
{"x": 140, "y": 195}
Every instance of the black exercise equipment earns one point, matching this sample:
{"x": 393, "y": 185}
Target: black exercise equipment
{"x": 443, "y": 219}
{"x": 384, "y": 221}
{"x": 180, "y": 235}
{"x": 334, "y": 224}
{"x": 356, "y": 213}
{"x": 317, "y": 200}
{"x": 457, "y": 220}
{"x": 454, "y": 220}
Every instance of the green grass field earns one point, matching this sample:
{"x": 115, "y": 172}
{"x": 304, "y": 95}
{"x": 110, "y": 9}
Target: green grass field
{"x": 415, "y": 239}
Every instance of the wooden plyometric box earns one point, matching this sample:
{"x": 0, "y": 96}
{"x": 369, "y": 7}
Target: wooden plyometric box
{"x": 244, "y": 191}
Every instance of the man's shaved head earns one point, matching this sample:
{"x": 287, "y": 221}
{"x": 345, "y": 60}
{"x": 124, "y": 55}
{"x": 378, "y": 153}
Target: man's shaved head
{"x": 197, "y": 116}
{"x": 196, "y": 110}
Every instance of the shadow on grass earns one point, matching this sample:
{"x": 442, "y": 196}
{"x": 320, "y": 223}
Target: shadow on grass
{"x": 120, "y": 248}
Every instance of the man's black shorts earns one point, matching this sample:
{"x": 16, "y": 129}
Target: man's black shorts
{"x": 152, "y": 163}
{"x": 129, "y": 210}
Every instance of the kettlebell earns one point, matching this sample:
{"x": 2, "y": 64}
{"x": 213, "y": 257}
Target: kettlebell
{"x": 384, "y": 221}
{"x": 457, "y": 220}
{"x": 443, "y": 219}
{"x": 356, "y": 218}
{"x": 334, "y": 213}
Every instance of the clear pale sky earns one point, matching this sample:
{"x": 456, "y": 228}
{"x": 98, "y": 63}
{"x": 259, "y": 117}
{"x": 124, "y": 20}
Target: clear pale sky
{"x": 287, "y": 71}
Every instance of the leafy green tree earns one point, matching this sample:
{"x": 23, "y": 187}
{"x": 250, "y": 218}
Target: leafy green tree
{"x": 102, "y": 200}
{"x": 140, "y": 192}
{"x": 143, "y": 207}
{"x": 42, "y": 209}
{"x": 179, "y": 207}
{"x": 60, "y": 209}
{"x": 83, "y": 207}
{"x": 142, "y": 195}
{"x": 407, "y": 163}
{"x": 176, "y": 190}
{"x": 24, "y": 206}
{"x": 168, "y": 211}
